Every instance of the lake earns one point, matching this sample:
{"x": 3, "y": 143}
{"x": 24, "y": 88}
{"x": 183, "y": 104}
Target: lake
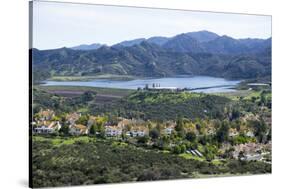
{"x": 204, "y": 84}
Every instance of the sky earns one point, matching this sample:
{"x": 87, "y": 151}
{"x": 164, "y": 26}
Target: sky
{"x": 57, "y": 25}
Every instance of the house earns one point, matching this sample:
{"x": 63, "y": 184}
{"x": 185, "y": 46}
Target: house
{"x": 91, "y": 121}
{"x": 249, "y": 133}
{"x": 113, "y": 131}
{"x": 253, "y": 157}
{"x": 233, "y": 132}
{"x": 169, "y": 128}
{"x": 210, "y": 131}
{"x": 47, "y": 127}
{"x": 138, "y": 131}
{"x": 125, "y": 122}
{"x": 46, "y": 115}
{"x": 72, "y": 118}
{"x": 78, "y": 129}
{"x": 251, "y": 151}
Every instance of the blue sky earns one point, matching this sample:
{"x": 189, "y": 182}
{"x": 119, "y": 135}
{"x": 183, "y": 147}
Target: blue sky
{"x": 57, "y": 25}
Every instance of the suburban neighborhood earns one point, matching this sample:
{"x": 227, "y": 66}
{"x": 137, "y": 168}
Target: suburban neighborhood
{"x": 132, "y": 130}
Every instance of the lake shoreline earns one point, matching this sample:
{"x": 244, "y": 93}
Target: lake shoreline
{"x": 192, "y": 83}
{"x": 126, "y": 77}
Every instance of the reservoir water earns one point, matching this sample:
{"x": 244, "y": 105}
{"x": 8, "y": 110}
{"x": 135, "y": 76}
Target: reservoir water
{"x": 204, "y": 84}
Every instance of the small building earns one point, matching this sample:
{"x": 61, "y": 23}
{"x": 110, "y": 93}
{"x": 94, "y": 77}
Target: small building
{"x": 250, "y": 133}
{"x": 78, "y": 129}
{"x": 168, "y": 130}
{"x": 251, "y": 151}
{"x": 233, "y": 132}
{"x": 124, "y": 122}
{"x": 112, "y": 131}
{"x": 72, "y": 118}
{"x": 47, "y": 127}
{"x": 253, "y": 157}
{"x": 46, "y": 115}
{"x": 139, "y": 131}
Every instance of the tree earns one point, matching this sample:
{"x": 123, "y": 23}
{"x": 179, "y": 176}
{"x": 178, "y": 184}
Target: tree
{"x": 143, "y": 139}
{"x": 93, "y": 129}
{"x": 235, "y": 114}
{"x": 146, "y": 86}
{"x": 149, "y": 125}
{"x": 260, "y": 129}
{"x": 64, "y": 129}
{"x": 179, "y": 124}
{"x": 88, "y": 96}
{"x": 209, "y": 156}
{"x": 183, "y": 148}
{"x": 55, "y": 118}
{"x": 154, "y": 133}
{"x": 253, "y": 99}
{"x": 241, "y": 156}
{"x": 263, "y": 99}
{"x": 223, "y": 132}
{"x": 164, "y": 143}
{"x": 177, "y": 149}
{"x": 180, "y": 128}
{"x": 83, "y": 120}
{"x": 191, "y": 136}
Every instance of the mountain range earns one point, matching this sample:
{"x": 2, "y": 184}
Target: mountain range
{"x": 198, "y": 53}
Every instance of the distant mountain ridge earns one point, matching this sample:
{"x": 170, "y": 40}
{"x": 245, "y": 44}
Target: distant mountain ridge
{"x": 201, "y": 41}
{"x": 196, "y": 53}
{"x": 87, "y": 47}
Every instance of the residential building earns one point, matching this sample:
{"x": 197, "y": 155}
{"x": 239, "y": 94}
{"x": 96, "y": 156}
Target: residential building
{"x": 113, "y": 131}
{"x": 233, "y": 132}
{"x": 47, "y": 127}
{"x": 78, "y": 129}
{"x": 72, "y": 118}
{"x": 46, "y": 115}
{"x": 138, "y": 131}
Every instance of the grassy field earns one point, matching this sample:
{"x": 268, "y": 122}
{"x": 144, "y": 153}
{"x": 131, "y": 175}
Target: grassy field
{"x": 78, "y": 90}
{"x": 189, "y": 156}
{"x": 235, "y": 95}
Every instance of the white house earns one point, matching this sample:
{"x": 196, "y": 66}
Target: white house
{"x": 250, "y": 134}
{"x": 113, "y": 131}
{"x": 138, "y": 131}
{"x": 168, "y": 130}
{"x": 47, "y": 127}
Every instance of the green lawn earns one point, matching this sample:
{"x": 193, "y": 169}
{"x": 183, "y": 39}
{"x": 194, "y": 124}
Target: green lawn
{"x": 98, "y": 90}
{"x": 190, "y": 156}
{"x": 58, "y": 141}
